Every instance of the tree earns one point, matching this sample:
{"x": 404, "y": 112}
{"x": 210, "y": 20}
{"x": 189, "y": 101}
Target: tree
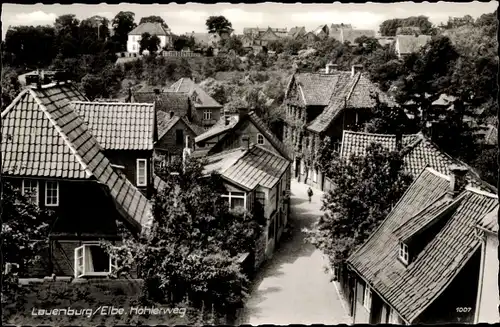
{"x": 364, "y": 191}
{"x": 153, "y": 19}
{"x": 10, "y": 86}
{"x": 123, "y": 23}
{"x": 24, "y": 237}
{"x": 67, "y": 35}
{"x": 149, "y": 42}
{"x": 195, "y": 241}
{"x": 21, "y": 42}
{"x": 387, "y": 120}
{"x": 219, "y": 25}
{"x": 183, "y": 41}
{"x": 487, "y": 165}
{"x": 94, "y": 32}
{"x": 232, "y": 43}
{"x": 390, "y": 26}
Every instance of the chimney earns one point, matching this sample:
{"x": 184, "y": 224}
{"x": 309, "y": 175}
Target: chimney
{"x": 129, "y": 98}
{"x": 356, "y": 69}
{"x": 330, "y": 68}
{"x": 399, "y": 141}
{"x": 157, "y": 91}
{"x": 457, "y": 179}
{"x": 171, "y": 114}
{"x": 227, "y": 120}
{"x": 242, "y": 112}
{"x": 246, "y": 139}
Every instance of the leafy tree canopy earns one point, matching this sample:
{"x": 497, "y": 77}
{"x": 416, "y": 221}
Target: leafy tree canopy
{"x": 149, "y": 42}
{"x": 218, "y": 24}
{"x": 195, "y": 241}
{"x": 153, "y": 19}
{"x": 364, "y": 191}
{"x": 123, "y": 23}
{"x": 390, "y": 26}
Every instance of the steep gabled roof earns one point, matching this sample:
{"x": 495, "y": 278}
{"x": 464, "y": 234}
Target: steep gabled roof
{"x": 336, "y": 91}
{"x": 151, "y": 28}
{"x": 419, "y": 153}
{"x": 249, "y": 168}
{"x": 119, "y": 126}
{"x": 219, "y": 128}
{"x": 165, "y": 101}
{"x": 321, "y": 28}
{"x": 186, "y": 85}
{"x": 165, "y": 123}
{"x": 45, "y": 137}
{"x": 410, "y": 290}
{"x": 350, "y": 35}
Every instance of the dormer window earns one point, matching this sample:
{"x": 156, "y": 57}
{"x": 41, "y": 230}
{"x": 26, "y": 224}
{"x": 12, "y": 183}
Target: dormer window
{"x": 404, "y": 255}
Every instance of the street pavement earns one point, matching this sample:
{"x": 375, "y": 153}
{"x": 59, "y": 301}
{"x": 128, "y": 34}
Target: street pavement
{"x": 293, "y": 286}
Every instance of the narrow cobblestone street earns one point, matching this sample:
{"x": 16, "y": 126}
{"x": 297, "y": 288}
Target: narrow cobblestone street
{"x": 293, "y": 287}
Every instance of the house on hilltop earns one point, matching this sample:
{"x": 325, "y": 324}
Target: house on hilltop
{"x": 407, "y": 44}
{"x": 423, "y": 254}
{"x": 50, "y": 153}
{"x": 296, "y": 32}
{"x": 134, "y": 36}
{"x": 324, "y": 104}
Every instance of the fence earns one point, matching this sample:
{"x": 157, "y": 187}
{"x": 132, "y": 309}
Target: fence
{"x": 188, "y": 54}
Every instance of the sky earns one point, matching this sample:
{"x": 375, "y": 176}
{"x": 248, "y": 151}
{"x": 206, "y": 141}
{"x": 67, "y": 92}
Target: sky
{"x": 191, "y": 17}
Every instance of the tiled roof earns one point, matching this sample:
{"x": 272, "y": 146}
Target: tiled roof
{"x": 262, "y": 127}
{"x": 165, "y": 123}
{"x": 219, "y": 128}
{"x": 410, "y": 290}
{"x": 320, "y": 28}
{"x": 119, "y": 126}
{"x": 490, "y": 221}
{"x": 166, "y": 101}
{"x": 159, "y": 184}
{"x": 419, "y": 153}
{"x": 151, "y": 28}
{"x": 186, "y": 85}
{"x": 350, "y": 35}
{"x": 250, "y": 168}
{"x": 407, "y": 44}
{"x": 45, "y": 137}
{"x": 337, "y": 91}
{"x": 221, "y": 161}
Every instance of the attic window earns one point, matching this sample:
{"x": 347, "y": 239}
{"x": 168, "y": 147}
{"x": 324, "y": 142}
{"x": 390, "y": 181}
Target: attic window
{"x": 403, "y": 253}
{"x": 260, "y": 139}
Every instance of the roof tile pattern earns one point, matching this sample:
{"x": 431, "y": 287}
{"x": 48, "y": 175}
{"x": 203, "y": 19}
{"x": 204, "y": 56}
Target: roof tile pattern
{"x": 165, "y": 123}
{"x": 119, "y": 126}
{"x": 257, "y": 166}
{"x": 411, "y": 289}
{"x": 151, "y": 28}
{"x": 202, "y": 99}
{"x": 79, "y": 145}
{"x": 219, "y": 128}
{"x": 166, "y": 101}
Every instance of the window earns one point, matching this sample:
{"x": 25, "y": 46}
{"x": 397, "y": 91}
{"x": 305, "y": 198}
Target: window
{"x": 207, "y": 114}
{"x": 235, "y": 199}
{"x": 52, "y": 194}
{"x": 30, "y": 190}
{"x": 260, "y": 139}
{"x": 403, "y": 253}
{"x": 142, "y": 176}
{"x": 179, "y": 137}
{"x": 315, "y": 175}
{"x": 92, "y": 260}
{"x": 133, "y": 47}
{"x": 367, "y": 299}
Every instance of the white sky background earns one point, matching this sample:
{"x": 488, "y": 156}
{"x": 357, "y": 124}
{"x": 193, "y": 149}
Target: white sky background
{"x": 183, "y": 18}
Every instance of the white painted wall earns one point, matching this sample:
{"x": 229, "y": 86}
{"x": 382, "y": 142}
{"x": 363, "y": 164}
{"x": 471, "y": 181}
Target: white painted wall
{"x": 489, "y": 300}
{"x": 133, "y": 42}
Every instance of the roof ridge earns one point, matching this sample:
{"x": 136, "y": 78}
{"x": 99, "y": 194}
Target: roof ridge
{"x": 151, "y": 104}
{"x": 370, "y": 134}
{"x": 437, "y": 173}
{"x": 354, "y": 83}
{"x": 481, "y": 192}
{"x": 14, "y": 102}
{"x": 62, "y": 134}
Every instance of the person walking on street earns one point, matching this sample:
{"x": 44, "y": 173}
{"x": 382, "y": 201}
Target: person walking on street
{"x": 310, "y": 193}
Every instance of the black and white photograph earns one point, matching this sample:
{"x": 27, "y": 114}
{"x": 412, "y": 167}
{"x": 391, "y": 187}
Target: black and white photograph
{"x": 249, "y": 164}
